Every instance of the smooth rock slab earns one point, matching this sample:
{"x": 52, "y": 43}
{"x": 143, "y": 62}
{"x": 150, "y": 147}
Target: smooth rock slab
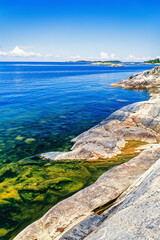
{"x": 138, "y": 215}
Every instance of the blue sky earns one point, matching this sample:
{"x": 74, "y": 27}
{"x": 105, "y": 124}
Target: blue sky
{"x": 52, "y": 30}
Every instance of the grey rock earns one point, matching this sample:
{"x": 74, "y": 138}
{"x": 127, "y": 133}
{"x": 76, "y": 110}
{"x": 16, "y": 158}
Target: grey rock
{"x": 83, "y": 229}
{"x": 146, "y": 79}
{"x": 138, "y": 214}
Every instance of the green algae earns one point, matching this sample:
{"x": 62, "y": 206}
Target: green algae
{"x": 29, "y": 140}
{"x": 3, "y": 232}
{"x": 30, "y": 187}
{"x": 20, "y": 138}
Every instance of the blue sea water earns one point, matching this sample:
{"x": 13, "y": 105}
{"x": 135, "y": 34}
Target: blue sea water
{"x": 44, "y": 105}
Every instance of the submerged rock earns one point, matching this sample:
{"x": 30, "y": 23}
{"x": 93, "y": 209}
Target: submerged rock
{"x": 29, "y": 140}
{"x": 20, "y": 138}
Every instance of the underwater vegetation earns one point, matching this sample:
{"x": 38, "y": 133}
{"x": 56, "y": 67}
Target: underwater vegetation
{"x": 30, "y": 187}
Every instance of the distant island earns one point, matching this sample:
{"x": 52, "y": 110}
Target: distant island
{"x": 97, "y": 62}
{"x": 106, "y": 62}
{"x": 116, "y": 62}
{"x": 154, "y": 61}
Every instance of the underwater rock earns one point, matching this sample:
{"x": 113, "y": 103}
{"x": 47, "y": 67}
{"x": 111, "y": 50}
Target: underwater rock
{"x": 29, "y": 140}
{"x": 20, "y": 138}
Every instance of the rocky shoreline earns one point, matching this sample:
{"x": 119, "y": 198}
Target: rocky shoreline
{"x": 138, "y": 121}
{"x": 149, "y": 79}
{"x": 123, "y": 203}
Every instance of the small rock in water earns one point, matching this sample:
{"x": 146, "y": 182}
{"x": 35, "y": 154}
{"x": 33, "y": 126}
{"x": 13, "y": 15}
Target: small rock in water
{"x": 41, "y": 122}
{"x": 19, "y": 138}
{"x": 29, "y": 140}
{"x": 122, "y": 100}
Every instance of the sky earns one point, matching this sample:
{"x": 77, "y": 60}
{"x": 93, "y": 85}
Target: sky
{"x": 64, "y": 30}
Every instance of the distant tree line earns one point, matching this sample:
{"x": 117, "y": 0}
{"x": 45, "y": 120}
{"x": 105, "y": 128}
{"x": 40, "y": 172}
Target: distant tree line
{"x": 157, "y": 60}
{"x": 84, "y": 61}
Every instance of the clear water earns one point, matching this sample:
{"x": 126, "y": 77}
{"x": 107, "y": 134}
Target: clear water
{"x": 44, "y": 105}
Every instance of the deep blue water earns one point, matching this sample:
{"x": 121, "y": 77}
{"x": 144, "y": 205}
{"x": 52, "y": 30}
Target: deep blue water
{"x": 50, "y": 103}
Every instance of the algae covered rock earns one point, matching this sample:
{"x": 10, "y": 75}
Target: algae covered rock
{"x": 29, "y": 140}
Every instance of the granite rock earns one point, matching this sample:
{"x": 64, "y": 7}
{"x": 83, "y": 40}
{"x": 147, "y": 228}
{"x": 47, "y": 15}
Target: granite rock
{"x": 146, "y": 79}
{"x": 138, "y": 214}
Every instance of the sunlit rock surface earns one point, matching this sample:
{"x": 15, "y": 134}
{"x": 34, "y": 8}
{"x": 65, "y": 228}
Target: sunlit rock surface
{"x": 137, "y": 215}
{"x": 146, "y": 79}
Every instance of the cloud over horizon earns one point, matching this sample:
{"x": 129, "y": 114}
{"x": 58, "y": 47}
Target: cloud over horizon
{"x": 2, "y": 53}
{"x": 19, "y": 52}
{"x": 107, "y": 56}
{"x": 137, "y": 59}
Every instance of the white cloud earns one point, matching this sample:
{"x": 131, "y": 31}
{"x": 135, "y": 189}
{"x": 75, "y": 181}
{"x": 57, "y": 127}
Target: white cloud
{"x": 106, "y": 56}
{"x": 19, "y": 52}
{"x": 113, "y": 56}
{"x": 137, "y": 59}
{"x": 52, "y": 55}
{"x": 76, "y": 57}
{"x": 2, "y": 53}
{"x": 49, "y": 55}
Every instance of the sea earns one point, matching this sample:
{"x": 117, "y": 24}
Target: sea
{"x": 44, "y": 105}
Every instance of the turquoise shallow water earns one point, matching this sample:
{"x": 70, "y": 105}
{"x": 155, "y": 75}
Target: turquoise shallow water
{"x": 44, "y": 105}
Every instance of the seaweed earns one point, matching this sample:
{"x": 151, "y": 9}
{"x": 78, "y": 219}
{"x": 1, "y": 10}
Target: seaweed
{"x": 31, "y": 186}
